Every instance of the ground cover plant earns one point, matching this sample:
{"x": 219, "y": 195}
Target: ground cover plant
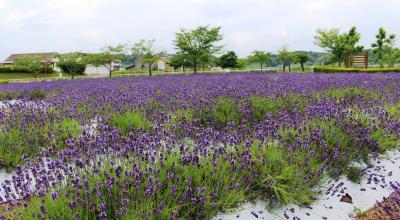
{"x": 188, "y": 146}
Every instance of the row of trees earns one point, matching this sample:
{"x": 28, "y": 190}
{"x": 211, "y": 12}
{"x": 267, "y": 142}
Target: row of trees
{"x": 337, "y": 44}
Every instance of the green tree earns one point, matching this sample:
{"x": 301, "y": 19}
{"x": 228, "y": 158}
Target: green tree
{"x": 384, "y": 43}
{"x": 33, "y": 64}
{"x": 107, "y": 57}
{"x": 147, "y": 52}
{"x": 179, "y": 60}
{"x": 286, "y": 58}
{"x": 72, "y": 63}
{"x": 242, "y": 63}
{"x": 301, "y": 58}
{"x": 334, "y": 42}
{"x": 260, "y": 57}
{"x": 228, "y": 60}
{"x": 198, "y": 42}
{"x": 352, "y": 39}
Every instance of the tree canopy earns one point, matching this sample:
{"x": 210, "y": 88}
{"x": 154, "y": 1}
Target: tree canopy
{"x": 260, "y": 57}
{"x": 72, "y": 63}
{"x": 108, "y": 55}
{"x": 33, "y": 64}
{"x": 228, "y": 60}
{"x": 146, "y": 51}
{"x": 195, "y": 44}
{"x": 383, "y": 47}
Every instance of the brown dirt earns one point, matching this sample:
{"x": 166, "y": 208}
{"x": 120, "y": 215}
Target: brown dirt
{"x": 378, "y": 213}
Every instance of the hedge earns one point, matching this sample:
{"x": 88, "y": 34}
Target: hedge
{"x": 328, "y": 69}
{"x": 14, "y": 69}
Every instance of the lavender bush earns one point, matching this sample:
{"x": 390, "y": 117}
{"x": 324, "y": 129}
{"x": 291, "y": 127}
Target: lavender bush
{"x": 172, "y": 147}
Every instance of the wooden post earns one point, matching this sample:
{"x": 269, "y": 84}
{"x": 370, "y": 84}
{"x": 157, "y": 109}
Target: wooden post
{"x": 366, "y": 60}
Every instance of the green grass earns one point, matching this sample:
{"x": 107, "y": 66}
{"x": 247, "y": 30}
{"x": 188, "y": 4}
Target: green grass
{"x": 278, "y": 180}
{"x": 128, "y": 120}
{"x": 16, "y": 142}
{"x": 16, "y": 76}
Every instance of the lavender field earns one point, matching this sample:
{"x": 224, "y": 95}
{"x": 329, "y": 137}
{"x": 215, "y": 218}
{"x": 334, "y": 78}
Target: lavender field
{"x": 189, "y": 146}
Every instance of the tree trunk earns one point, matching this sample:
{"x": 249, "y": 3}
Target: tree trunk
{"x": 284, "y": 68}
{"x": 302, "y": 66}
{"x": 290, "y": 68}
{"x": 150, "y": 69}
{"x": 195, "y": 65}
{"x": 261, "y": 66}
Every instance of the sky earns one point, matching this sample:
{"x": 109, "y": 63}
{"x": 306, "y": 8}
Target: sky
{"x": 88, "y": 25}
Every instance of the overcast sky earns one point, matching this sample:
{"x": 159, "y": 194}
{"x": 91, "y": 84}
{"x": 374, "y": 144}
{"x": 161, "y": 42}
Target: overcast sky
{"x": 88, "y": 25}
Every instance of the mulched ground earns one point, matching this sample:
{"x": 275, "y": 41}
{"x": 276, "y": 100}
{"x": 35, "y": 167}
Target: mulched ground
{"x": 378, "y": 212}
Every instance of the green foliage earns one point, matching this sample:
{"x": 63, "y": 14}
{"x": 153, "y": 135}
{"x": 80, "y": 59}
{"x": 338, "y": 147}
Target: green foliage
{"x": 354, "y": 174}
{"x": 280, "y": 180}
{"x": 72, "y": 63}
{"x": 301, "y": 58}
{"x": 225, "y": 111}
{"x": 394, "y": 110}
{"x": 331, "y": 69}
{"x": 260, "y": 57}
{"x": 108, "y": 55}
{"x": 286, "y": 58}
{"x": 4, "y": 81}
{"x": 21, "y": 69}
{"x": 228, "y": 60}
{"x": 146, "y": 52}
{"x": 16, "y": 142}
{"x": 383, "y": 46}
{"x": 195, "y": 44}
{"x": 36, "y": 94}
{"x": 33, "y": 64}
{"x": 350, "y": 93}
{"x": 126, "y": 121}
{"x": 336, "y": 43}
{"x": 179, "y": 60}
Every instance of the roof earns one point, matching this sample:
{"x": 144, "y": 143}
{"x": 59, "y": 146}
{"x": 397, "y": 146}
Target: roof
{"x": 46, "y": 56}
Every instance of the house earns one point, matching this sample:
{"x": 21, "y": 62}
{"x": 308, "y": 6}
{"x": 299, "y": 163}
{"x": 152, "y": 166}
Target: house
{"x": 52, "y": 59}
{"x": 161, "y": 64}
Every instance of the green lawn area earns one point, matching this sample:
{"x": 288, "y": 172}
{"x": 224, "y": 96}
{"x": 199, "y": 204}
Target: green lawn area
{"x": 11, "y": 76}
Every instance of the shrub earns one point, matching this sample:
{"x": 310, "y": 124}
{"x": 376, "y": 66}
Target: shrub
{"x": 78, "y": 68}
{"x": 225, "y": 111}
{"x": 15, "y": 69}
{"x": 128, "y": 120}
{"x": 4, "y": 81}
{"x": 330, "y": 69}
{"x": 36, "y": 94}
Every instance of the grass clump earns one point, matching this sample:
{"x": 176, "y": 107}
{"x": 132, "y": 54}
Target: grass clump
{"x": 16, "y": 142}
{"x": 225, "y": 111}
{"x": 350, "y": 93}
{"x": 36, "y": 94}
{"x": 125, "y": 122}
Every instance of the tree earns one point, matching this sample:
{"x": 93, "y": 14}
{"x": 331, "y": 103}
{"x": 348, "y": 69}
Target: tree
{"x": 286, "y": 58}
{"x": 106, "y": 58}
{"x": 333, "y": 42}
{"x": 228, "y": 60}
{"x": 198, "y": 42}
{"x": 33, "y": 64}
{"x": 260, "y": 57}
{"x": 72, "y": 63}
{"x": 301, "y": 58}
{"x": 179, "y": 60}
{"x": 147, "y": 52}
{"x": 352, "y": 38}
{"x": 384, "y": 46}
